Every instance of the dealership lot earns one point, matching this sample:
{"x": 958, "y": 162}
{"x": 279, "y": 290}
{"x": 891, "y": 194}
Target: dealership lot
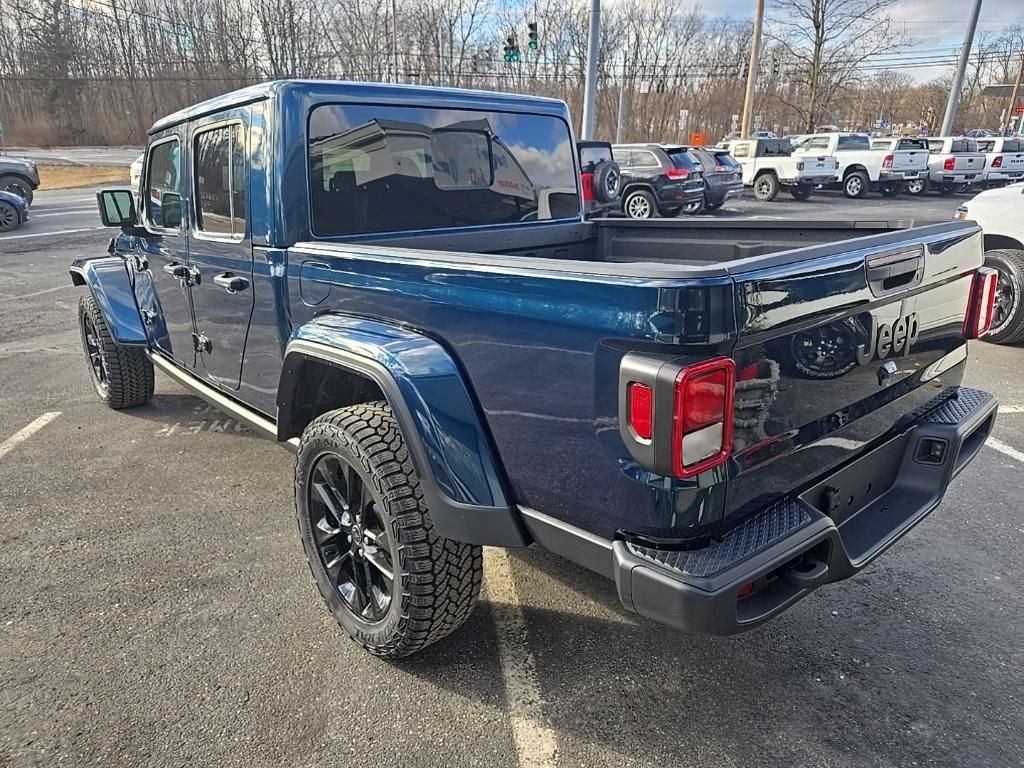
{"x": 155, "y": 607}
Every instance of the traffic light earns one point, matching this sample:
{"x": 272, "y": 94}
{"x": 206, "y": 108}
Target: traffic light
{"x": 534, "y": 43}
{"x": 512, "y": 49}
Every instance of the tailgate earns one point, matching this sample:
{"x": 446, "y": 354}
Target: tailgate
{"x": 835, "y": 349}
{"x": 964, "y": 162}
{"x": 1013, "y": 162}
{"x": 809, "y": 166}
{"x": 910, "y": 160}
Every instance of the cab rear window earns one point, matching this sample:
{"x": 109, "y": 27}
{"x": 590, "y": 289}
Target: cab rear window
{"x": 387, "y": 169}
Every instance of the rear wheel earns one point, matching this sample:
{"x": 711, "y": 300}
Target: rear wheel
{"x": 917, "y": 187}
{"x": 766, "y": 187}
{"x": 946, "y": 188}
{"x": 889, "y": 188}
{"x": 801, "y": 191}
{"x": 9, "y": 218}
{"x": 391, "y": 582}
{"x": 856, "y": 184}
{"x": 1008, "y": 312}
{"x": 18, "y": 186}
{"x": 639, "y": 204}
{"x": 122, "y": 376}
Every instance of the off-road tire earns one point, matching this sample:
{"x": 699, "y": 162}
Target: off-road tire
{"x": 856, "y": 185}
{"x": 18, "y": 186}
{"x": 1009, "y": 262}
{"x": 436, "y": 580}
{"x": 607, "y": 181}
{"x": 766, "y": 187}
{"x": 128, "y": 373}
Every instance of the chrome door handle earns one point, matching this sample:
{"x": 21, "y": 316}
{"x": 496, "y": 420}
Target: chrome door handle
{"x": 176, "y": 270}
{"x": 230, "y": 282}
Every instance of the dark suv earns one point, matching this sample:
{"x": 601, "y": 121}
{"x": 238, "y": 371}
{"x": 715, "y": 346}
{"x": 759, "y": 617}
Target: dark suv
{"x": 657, "y": 179}
{"x": 723, "y": 177}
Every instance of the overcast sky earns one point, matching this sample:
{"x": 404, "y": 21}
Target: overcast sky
{"x": 936, "y": 26}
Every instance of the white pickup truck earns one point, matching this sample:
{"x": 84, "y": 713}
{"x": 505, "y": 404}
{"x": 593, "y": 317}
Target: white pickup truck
{"x": 954, "y": 163}
{"x": 769, "y": 164}
{"x": 1000, "y": 213}
{"x": 1004, "y": 160}
{"x": 914, "y": 168}
{"x": 861, "y": 166}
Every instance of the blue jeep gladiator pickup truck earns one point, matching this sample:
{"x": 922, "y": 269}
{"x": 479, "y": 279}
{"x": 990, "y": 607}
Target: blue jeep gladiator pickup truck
{"x": 398, "y": 284}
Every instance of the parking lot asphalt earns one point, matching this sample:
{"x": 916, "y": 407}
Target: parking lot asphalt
{"x": 156, "y": 610}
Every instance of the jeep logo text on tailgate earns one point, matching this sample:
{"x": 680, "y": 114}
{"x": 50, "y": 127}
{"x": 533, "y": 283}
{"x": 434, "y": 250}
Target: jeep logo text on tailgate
{"x": 886, "y": 339}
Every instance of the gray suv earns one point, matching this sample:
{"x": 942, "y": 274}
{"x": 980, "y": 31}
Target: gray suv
{"x": 19, "y": 176}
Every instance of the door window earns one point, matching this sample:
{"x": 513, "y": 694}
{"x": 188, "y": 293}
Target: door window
{"x": 643, "y": 159}
{"x": 163, "y": 186}
{"x": 220, "y": 173}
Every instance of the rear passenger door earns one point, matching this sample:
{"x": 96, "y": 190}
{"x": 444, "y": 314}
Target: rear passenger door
{"x": 220, "y": 249}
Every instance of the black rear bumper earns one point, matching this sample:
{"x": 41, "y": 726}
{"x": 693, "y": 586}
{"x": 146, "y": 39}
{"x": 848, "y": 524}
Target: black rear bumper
{"x": 828, "y": 532}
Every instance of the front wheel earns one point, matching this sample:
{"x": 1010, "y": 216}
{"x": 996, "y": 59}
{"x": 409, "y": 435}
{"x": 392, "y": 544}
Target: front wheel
{"x": 392, "y": 583}
{"x": 766, "y": 187}
{"x": 122, "y": 376}
{"x": 917, "y": 187}
{"x": 639, "y": 204}
{"x": 1008, "y": 312}
{"x": 691, "y": 209}
{"x": 9, "y": 218}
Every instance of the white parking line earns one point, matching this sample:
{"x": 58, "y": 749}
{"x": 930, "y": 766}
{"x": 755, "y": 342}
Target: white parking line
{"x": 1002, "y": 447}
{"x": 48, "y": 234}
{"x": 66, "y": 212}
{"x": 26, "y": 432}
{"x": 1011, "y": 408}
{"x": 535, "y": 742}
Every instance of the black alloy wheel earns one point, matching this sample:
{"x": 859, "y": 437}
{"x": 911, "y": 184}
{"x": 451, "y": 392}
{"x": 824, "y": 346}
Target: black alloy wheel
{"x": 93, "y": 350}
{"x": 9, "y": 218}
{"x": 353, "y": 542}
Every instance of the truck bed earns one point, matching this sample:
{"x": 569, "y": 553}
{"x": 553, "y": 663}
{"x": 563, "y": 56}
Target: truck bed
{"x": 709, "y": 246}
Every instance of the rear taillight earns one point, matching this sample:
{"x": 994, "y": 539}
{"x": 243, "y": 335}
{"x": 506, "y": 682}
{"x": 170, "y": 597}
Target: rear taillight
{"x": 702, "y": 416}
{"x": 887, "y": 163}
{"x": 950, "y": 164}
{"x": 587, "y": 182}
{"x": 721, "y": 169}
{"x": 641, "y": 411}
{"x": 677, "y": 173}
{"x": 998, "y": 162}
{"x": 981, "y": 303}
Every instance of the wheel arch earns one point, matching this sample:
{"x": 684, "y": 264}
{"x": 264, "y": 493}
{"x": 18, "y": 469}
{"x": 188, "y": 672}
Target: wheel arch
{"x": 111, "y": 286}
{"x": 18, "y": 175}
{"x": 335, "y": 361}
{"x": 996, "y": 242}
{"x": 854, "y": 168}
{"x": 635, "y": 186}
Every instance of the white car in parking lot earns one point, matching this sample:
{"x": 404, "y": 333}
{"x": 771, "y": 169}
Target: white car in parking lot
{"x": 913, "y": 183}
{"x": 954, "y": 161}
{"x": 1004, "y": 159}
{"x": 1000, "y": 213}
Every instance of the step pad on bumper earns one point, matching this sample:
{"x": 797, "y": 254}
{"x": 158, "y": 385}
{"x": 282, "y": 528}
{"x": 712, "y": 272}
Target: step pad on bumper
{"x": 750, "y": 537}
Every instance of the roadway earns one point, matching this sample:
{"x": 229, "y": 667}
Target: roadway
{"x": 77, "y": 155}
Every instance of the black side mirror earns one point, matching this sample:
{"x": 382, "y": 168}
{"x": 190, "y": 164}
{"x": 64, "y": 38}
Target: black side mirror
{"x": 170, "y": 207}
{"x": 117, "y": 207}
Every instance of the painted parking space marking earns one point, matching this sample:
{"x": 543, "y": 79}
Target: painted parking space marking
{"x": 26, "y": 432}
{"x": 1003, "y": 448}
{"x": 49, "y": 234}
{"x": 64, "y": 212}
{"x": 535, "y": 742}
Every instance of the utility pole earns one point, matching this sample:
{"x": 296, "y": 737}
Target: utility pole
{"x": 961, "y": 70}
{"x": 622, "y": 107}
{"x": 590, "y": 86}
{"x": 394, "y": 38}
{"x": 1003, "y": 125}
{"x": 755, "y": 53}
